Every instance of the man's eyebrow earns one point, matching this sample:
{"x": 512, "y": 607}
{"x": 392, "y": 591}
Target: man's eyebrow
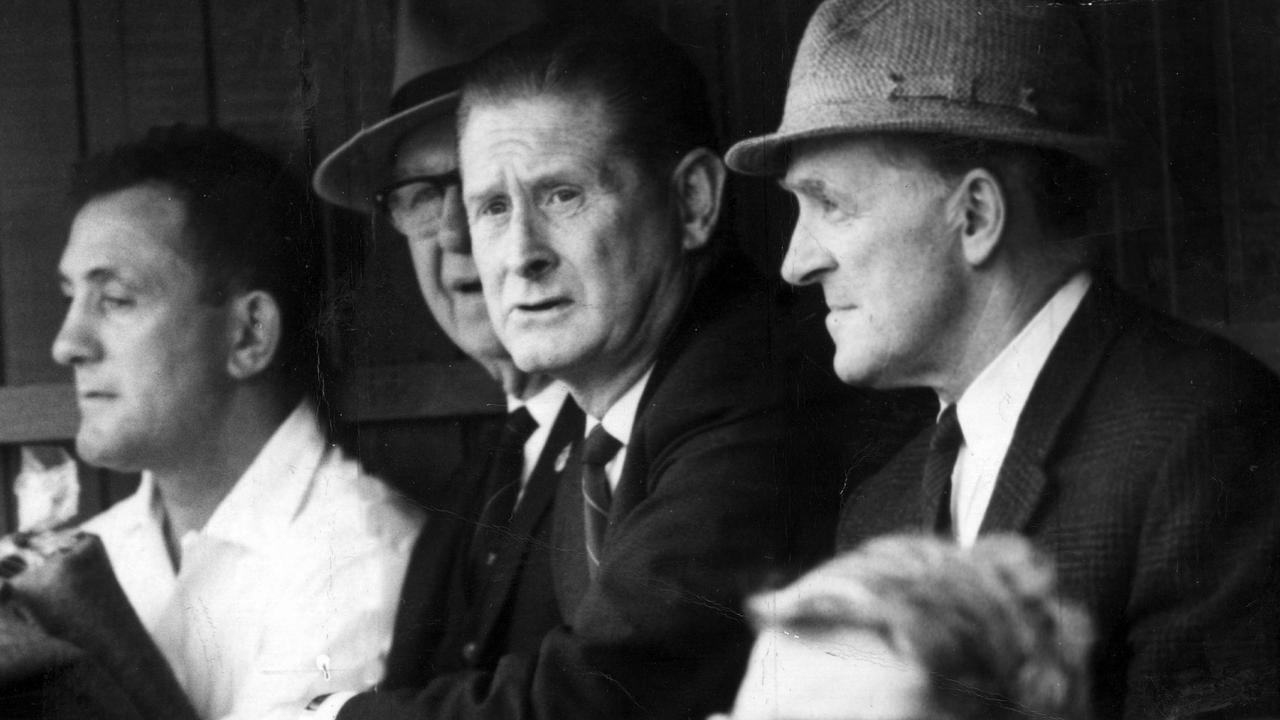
{"x": 96, "y": 276}
{"x": 806, "y": 186}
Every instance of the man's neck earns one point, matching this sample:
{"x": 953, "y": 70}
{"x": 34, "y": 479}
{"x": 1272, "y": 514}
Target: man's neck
{"x": 515, "y": 382}
{"x": 191, "y": 489}
{"x": 596, "y": 395}
{"x": 999, "y": 314}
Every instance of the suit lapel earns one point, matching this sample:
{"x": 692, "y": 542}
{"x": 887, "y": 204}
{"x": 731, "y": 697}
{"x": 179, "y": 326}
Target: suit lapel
{"x": 1069, "y": 370}
{"x": 529, "y": 514}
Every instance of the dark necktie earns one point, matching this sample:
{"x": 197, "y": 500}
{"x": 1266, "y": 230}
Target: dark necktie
{"x": 938, "y": 465}
{"x": 597, "y": 451}
{"x": 502, "y": 483}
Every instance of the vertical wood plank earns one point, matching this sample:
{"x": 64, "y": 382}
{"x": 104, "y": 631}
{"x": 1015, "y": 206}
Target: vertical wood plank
{"x": 1137, "y": 200}
{"x": 39, "y": 141}
{"x": 1249, "y": 53}
{"x": 144, "y": 65}
{"x": 1198, "y": 266}
{"x": 257, "y": 50}
{"x": 103, "y": 74}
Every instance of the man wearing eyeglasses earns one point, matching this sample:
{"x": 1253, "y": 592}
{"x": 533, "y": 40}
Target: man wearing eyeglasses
{"x": 478, "y": 584}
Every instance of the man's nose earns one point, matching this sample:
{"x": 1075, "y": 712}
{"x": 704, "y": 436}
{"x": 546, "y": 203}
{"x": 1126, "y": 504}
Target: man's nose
{"x": 76, "y": 342}
{"x": 454, "y": 235}
{"x": 531, "y": 256}
{"x": 806, "y": 259}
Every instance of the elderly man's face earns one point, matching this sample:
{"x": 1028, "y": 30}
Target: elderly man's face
{"x": 876, "y": 236}
{"x": 579, "y": 246}
{"x": 844, "y": 675}
{"x": 441, "y": 250}
{"x": 149, "y": 353}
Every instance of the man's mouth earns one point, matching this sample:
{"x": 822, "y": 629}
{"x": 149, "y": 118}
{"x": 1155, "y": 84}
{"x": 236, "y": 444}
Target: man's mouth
{"x": 467, "y": 287}
{"x": 542, "y": 306}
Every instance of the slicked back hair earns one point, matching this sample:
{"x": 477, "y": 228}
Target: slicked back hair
{"x": 651, "y": 90}
{"x": 250, "y": 225}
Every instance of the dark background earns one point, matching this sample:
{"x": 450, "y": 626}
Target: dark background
{"x": 1191, "y": 226}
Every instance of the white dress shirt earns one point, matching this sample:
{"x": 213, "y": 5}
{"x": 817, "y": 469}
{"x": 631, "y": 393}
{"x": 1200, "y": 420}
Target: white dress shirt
{"x": 544, "y": 407}
{"x": 989, "y": 409}
{"x": 618, "y": 421}
{"x": 289, "y": 591}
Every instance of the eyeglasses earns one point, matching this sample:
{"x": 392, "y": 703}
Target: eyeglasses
{"x": 415, "y": 205}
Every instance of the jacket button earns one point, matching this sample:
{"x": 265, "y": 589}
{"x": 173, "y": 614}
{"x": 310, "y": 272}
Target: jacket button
{"x": 488, "y": 559}
{"x": 471, "y": 652}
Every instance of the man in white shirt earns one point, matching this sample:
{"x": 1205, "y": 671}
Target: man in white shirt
{"x": 262, "y": 561}
{"x": 944, "y": 154}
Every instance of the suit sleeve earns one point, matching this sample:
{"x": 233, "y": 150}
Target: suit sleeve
{"x": 1204, "y": 604}
{"x": 659, "y": 634}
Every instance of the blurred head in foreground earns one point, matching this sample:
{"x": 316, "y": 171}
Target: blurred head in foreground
{"x": 914, "y": 627}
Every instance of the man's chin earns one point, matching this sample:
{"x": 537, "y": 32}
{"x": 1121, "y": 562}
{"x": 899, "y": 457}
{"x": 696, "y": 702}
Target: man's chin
{"x": 99, "y": 452}
{"x": 542, "y": 359}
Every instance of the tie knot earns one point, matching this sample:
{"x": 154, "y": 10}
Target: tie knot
{"x": 947, "y": 435}
{"x": 600, "y": 447}
{"x": 517, "y": 428}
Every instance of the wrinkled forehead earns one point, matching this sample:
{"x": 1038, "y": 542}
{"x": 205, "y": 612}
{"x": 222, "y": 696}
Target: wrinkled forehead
{"x": 589, "y": 111}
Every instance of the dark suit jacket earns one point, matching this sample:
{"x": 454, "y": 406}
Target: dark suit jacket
{"x": 475, "y": 591}
{"x": 1146, "y": 464}
{"x": 45, "y": 678}
{"x": 710, "y": 495}
{"x": 71, "y": 645}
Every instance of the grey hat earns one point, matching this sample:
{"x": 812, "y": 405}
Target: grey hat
{"x": 1017, "y": 71}
{"x": 434, "y": 46}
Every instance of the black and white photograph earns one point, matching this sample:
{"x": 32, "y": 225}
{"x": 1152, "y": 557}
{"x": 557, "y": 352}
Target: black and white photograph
{"x": 651, "y": 359}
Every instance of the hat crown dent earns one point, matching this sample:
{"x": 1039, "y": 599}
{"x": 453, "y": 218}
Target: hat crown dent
{"x": 985, "y": 51}
{"x": 1013, "y": 70}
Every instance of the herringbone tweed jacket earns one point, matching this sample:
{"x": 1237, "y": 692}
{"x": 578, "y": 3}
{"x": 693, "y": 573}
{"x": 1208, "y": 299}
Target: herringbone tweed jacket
{"x": 1147, "y": 464}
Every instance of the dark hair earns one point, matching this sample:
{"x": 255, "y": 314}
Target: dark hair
{"x": 1062, "y": 187}
{"x": 250, "y": 224}
{"x": 655, "y": 94}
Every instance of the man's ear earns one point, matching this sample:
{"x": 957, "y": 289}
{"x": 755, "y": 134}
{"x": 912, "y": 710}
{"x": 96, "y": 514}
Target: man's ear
{"x": 256, "y": 329}
{"x": 979, "y": 208}
{"x": 698, "y": 183}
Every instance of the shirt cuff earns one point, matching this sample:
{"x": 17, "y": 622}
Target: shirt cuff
{"x": 327, "y": 709}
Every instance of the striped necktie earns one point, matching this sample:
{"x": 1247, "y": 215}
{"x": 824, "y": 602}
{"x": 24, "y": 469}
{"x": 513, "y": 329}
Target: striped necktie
{"x": 935, "y": 493}
{"x": 600, "y": 447}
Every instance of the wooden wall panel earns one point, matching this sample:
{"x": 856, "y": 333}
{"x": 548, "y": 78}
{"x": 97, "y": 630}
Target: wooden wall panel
{"x": 38, "y": 143}
{"x": 166, "y": 79}
{"x": 258, "y": 58}
{"x": 1248, "y": 55}
{"x": 105, "y": 116}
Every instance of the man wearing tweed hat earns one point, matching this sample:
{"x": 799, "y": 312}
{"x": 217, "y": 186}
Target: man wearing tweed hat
{"x": 943, "y": 154}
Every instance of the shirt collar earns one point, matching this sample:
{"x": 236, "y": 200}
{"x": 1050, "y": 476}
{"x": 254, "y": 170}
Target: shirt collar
{"x": 544, "y": 406}
{"x": 142, "y": 508}
{"x": 621, "y": 416}
{"x": 988, "y": 410}
{"x": 271, "y": 492}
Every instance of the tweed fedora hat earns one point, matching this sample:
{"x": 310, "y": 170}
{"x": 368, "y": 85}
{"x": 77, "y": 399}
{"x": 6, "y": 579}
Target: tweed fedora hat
{"x": 435, "y": 43}
{"x": 1017, "y": 71}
